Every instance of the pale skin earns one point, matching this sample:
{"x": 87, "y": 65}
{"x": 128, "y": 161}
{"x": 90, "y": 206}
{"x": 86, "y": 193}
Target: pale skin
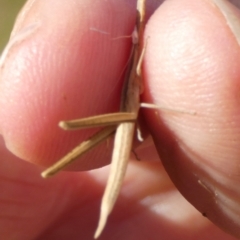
{"x": 76, "y": 196}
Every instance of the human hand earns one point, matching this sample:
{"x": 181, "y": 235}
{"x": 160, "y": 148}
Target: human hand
{"x": 56, "y": 65}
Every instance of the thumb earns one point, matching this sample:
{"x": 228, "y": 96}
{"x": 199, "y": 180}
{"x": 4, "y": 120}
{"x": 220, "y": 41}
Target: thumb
{"x": 192, "y": 64}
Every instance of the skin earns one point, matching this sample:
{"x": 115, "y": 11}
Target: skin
{"x": 58, "y": 66}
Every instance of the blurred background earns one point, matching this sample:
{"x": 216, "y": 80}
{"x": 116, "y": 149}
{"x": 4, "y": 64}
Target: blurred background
{"x": 8, "y": 12}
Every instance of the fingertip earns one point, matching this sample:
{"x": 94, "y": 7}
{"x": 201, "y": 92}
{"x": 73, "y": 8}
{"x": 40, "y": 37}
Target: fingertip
{"x": 61, "y": 70}
{"x": 186, "y": 67}
{"x": 192, "y": 64}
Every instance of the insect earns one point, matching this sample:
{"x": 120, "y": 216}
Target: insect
{"x": 122, "y": 124}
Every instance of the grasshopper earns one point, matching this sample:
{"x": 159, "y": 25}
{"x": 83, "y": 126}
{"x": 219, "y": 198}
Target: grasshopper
{"x": 122, "y": 124}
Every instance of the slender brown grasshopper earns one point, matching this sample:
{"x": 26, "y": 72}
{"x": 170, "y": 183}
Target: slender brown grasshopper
{"x": 122, "y": 123}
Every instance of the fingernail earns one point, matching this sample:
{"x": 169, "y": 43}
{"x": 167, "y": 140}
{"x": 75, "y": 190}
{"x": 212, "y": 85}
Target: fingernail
{"x": 20, "y": 31}
{"x": 17, "y": 39}
{"x": 22, "y": 16}
{"x": 230, "y": 14}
